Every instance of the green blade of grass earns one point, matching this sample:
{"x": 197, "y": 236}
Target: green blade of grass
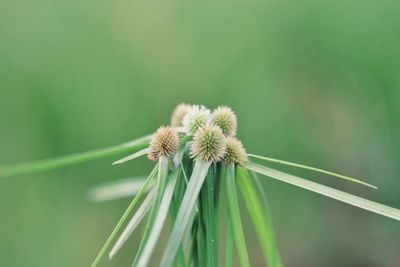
{"x": 326, "y": 191}
{"x": 260, "y": 215}
{"x": 209, "y": 218}
{"x": 132, "y": 156}
{"x": 123, "y": 219}
{"x": 184, "y": 214}
{"x": 234, "y": 215}
{"x": 229, "y": 245}
{"x": 351, "y": 179}
{"x": 127, "y": 187}
{"x": 144, "y": 258}
{"x": 133, "y": 223}
{"x": 162, "y": 178}
{"x": 63, "y": 161}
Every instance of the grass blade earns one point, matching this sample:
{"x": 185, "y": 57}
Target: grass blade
{"x": 234, "y": 215}
{"x": 133, "y": 223}
{"x": 326, "y": 191}
{"x": 117, "y": 189}
{"x": 163, "y": 168}
{"x": 351, "y": 179}
{"x": 159, "y": 221}
{"x": 132, "y": 157}
{"x": 209, "y": 218}
{"x": 185, "y": 211}
{"x": 229, "y": 245}
{"x": 54, "y": 163}
{"x": 260, "y": 215}
{"x": 123, "y": 219}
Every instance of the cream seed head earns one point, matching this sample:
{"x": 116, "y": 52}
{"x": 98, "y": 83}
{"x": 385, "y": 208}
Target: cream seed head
{"x": 197, "y": 117}
{"x": 209, "y": 144}
{"x": 235, "y": 152}
{"x": 165, "y": 142}
{"x": 179, "y": 113}
{"x": 226, "y": 119}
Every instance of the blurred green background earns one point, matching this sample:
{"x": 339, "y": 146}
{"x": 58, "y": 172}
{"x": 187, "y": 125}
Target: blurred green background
{"x": 314, "y": 82}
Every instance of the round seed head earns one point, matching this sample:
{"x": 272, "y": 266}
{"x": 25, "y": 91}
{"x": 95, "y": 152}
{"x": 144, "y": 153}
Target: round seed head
{"x": 225, "y": 118}
{"x": 177, "y": 116}
{"x": 165, "y": 142}
{"x": 197, "y": 117}
{"x": 208, "y": 144}
{"x": 235, "y": 152}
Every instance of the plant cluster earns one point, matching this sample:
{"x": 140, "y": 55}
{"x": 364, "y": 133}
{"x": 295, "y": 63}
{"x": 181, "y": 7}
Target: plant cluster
{"x": 200, "y": 166}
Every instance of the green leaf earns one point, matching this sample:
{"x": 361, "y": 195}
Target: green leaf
{"x": 185, "y": 212}
{"x": 134, "y": 222}
{"x": 260, "y": 215}
{"x": 326, "y": 191}
{"x": 234, "y": 215}
{"x": 116, "y": 189}
{"x": 163, "y": 168}
{"x": 58, "y": 162}
{"x": 351, "y": 179}
{"x": 123, "y": 219}
{"x": 132, "y": 156}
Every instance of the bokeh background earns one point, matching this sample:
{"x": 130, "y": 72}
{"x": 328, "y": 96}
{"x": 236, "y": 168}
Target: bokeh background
{"x": 314, "y": 82}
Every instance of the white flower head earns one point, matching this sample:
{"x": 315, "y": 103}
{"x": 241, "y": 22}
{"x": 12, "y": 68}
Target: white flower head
{"x": 196, "y": 117}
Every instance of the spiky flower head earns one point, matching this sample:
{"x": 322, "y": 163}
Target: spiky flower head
{"x": 198, "y": 116}
{"x": 209, "y": 144}
{"x": 235, "y": 152}
{"x": 226, "y": 119}
{"x": 179, "y": 112}
{"x": 165, "y": 142}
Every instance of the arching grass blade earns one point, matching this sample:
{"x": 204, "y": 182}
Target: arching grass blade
{"x": 234, "y": 216}
{"x": 260, "y": 215}
{"x": 326, "y": 191}
{"x": 185, "y": 211}
{"x": 123, "y": 219}
{"x": 54, "y": 163}
{"x": 297, "y": 165}
{"x": 132, "y": 157}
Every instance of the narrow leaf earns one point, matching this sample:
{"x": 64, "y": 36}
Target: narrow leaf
{"x": 313, "y": 169}
{"x": 132, "y": 157}
{"x": 117, "y": 189}
{"x": 234, "y": 215}
{"x": 123, "y": 219}
{"x": 185, "y": 211}
{"x": 260, "y": 215}
{"x": 326, "y": 191}
{"x": 133, "y": 223}
{"x": 58, "y": 162}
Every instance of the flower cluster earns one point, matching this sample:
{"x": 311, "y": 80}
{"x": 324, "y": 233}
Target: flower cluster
{"x": 213, "y": 135}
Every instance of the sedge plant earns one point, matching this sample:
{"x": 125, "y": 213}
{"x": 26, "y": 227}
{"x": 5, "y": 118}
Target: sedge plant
{"x": 199, "y": 165}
